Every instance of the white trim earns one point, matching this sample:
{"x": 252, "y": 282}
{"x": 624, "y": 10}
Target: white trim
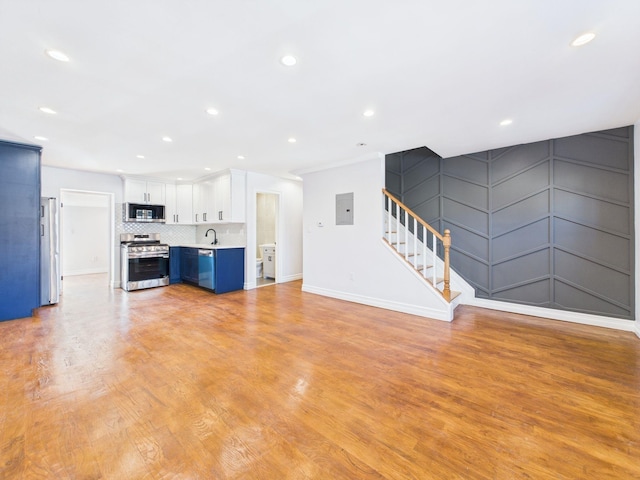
{"x": 422, "y": 311}
{"x": 289, "y": 278}
{"x": 636, "y": 329}
{"x": 563, "y": 315}
{"x": 114, "y": 277}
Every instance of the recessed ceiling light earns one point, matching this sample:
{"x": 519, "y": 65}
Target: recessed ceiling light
{"x": 207, "y": 169}
{"x": 288, "y": 60}
{"x": 139, "y": 156}
{"x": 167, "y": 139}
{"x": 212, "y": 111}
{"x": 368, "y": 113}
{"x": 58, "y": 55}
{"x": 179, "y": 178}
{"x": 505, "y": 122}
{"x": 240, "y": 157}
{"x": 292, "y": 140}
{"x": 583, "y": 39}
{"x": 119, "y": 170}
{"x": 43, "y": 139}
{"x": 48, "y": 110}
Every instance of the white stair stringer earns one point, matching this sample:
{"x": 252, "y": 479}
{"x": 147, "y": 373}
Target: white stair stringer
{"x": 402, "y": 244}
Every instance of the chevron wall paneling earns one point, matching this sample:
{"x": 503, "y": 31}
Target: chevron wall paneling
{"x": 547, "y": 223}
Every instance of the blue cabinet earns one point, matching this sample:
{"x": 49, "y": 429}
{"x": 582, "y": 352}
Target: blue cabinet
{"x": 19, "y": 229}
{"x": 229, "y": 269}
{"x": 174, "y": 265}
{"x": 189, "y": 265}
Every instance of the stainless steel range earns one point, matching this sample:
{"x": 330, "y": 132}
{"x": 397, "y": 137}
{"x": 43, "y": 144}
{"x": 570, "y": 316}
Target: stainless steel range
{"x": 144, "y": 261}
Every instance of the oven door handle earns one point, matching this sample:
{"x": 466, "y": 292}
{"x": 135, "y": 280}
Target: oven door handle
{"x": 148, "y": 255}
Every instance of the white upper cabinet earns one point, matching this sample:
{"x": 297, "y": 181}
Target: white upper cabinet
{"x": 230, "y": 197}
{"x": 179, "y": 204}
{"x": 203, "y": 201}
{"x": 143, "y": 191}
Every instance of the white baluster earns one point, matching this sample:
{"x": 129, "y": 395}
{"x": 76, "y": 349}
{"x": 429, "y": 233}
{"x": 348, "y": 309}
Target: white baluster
{"x": 434, "y": 257}
{"x": 424, "y": 251}
{"x": 415, "y": 242}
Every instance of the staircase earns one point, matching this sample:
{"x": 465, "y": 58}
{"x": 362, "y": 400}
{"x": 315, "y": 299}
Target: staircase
{"x": 418, "y": 244}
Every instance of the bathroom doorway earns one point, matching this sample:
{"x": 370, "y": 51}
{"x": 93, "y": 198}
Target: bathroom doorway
{"x": 267, "y": 205}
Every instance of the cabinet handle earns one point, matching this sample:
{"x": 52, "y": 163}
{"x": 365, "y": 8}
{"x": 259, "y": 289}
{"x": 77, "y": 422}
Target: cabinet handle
{"x": 196, "y": 218}
{"x": 220, "y": 215}
{"x": 177, "y": 221}
{"x": 204, "y": 217}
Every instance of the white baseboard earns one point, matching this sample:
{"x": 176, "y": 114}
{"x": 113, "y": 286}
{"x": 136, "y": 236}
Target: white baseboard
{"x": 636, "y": 330}
{"x": 553, "y": 314}
{"x": 288, "y": 278}
{"x": 444, "y": 315}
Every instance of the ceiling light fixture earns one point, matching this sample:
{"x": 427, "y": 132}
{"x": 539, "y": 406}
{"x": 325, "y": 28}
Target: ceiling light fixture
{"x": 212, "y": 111}
{"x": 505, "y": 122}
{"x": 368, "y": 113}
{"x": 583, "y": 39}
{"x": 179, "y": 178}
{"x": 292, "y": 140}
{"x": 240, "y": 157}
{"x": 119, "y": 170}
{"x": 207, "y": 169}
{"x": 42, "y": 139}
{"x": 167, "y": 139}
{"x": 288, "y": 60}
{"x": 48, "y": 110}
{"x": 139, "y": 156}
{"x": 57, "y": 55}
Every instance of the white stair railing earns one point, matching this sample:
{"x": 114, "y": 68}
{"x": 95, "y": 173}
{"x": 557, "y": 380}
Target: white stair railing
{"x": 410, "y": 236}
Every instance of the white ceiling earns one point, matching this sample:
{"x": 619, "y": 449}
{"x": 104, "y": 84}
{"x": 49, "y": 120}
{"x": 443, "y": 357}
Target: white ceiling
{"x": 437, "y": 73}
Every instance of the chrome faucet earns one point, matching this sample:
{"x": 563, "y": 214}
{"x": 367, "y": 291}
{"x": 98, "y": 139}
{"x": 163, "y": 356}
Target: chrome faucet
{"x": 215, "y": 236}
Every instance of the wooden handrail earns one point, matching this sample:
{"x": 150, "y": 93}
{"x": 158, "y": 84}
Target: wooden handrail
{"x": 445, "y": 239}
{"x": 413, "y": 214}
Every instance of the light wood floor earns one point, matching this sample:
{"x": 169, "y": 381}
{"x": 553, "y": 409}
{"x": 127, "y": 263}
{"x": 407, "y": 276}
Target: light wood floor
{"x": 176, "y": 383}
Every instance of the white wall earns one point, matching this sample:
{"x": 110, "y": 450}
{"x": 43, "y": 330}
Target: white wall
{"x": 289, "y": 229}
{"x": 85, "y": 235}
{"x": 54, "y": 179}
{"x": 351, "y": 261}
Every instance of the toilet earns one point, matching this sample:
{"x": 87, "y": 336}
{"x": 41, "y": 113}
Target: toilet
{"x": 258, "y": 267}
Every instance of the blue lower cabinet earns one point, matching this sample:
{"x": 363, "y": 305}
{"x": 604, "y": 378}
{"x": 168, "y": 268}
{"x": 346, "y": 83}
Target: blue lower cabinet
{"x": 174, "y": 265}
{"x": 189, "y": 265}
{"x": 229, "y": 269}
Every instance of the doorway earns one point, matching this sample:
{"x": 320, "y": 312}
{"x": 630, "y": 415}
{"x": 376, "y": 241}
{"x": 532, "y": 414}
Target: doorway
{"x": 86, "y": 235}
{"x": 267, "y": 206}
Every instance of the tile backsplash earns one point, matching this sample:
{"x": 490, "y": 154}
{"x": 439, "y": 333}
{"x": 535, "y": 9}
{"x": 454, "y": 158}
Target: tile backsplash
{"x": 228, "y": 233}
{"x": 171, "y": 234}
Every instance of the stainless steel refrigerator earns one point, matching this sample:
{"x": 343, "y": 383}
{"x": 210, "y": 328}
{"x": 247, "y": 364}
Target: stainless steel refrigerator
{"x": 49, "y": 252}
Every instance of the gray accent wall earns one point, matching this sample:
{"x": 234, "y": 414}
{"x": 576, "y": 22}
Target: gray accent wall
{"x": 548, "y": 224}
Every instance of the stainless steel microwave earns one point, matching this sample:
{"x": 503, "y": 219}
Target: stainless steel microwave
{"x": 141, "y": 213}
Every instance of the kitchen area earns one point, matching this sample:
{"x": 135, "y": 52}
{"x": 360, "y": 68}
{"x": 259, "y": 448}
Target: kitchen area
{"x": 80, "y": 224}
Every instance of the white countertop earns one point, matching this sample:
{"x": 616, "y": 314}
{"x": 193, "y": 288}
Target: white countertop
{"x": 207, "y": 246}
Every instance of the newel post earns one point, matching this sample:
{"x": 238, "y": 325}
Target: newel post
{"x": 446, "y": 243}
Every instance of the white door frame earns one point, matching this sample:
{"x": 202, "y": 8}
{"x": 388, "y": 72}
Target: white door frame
{"x": 110, "y": 227}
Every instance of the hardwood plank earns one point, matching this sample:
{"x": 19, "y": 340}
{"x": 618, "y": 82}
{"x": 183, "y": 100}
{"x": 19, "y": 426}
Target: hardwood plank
{"x": 271, "y": 383}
